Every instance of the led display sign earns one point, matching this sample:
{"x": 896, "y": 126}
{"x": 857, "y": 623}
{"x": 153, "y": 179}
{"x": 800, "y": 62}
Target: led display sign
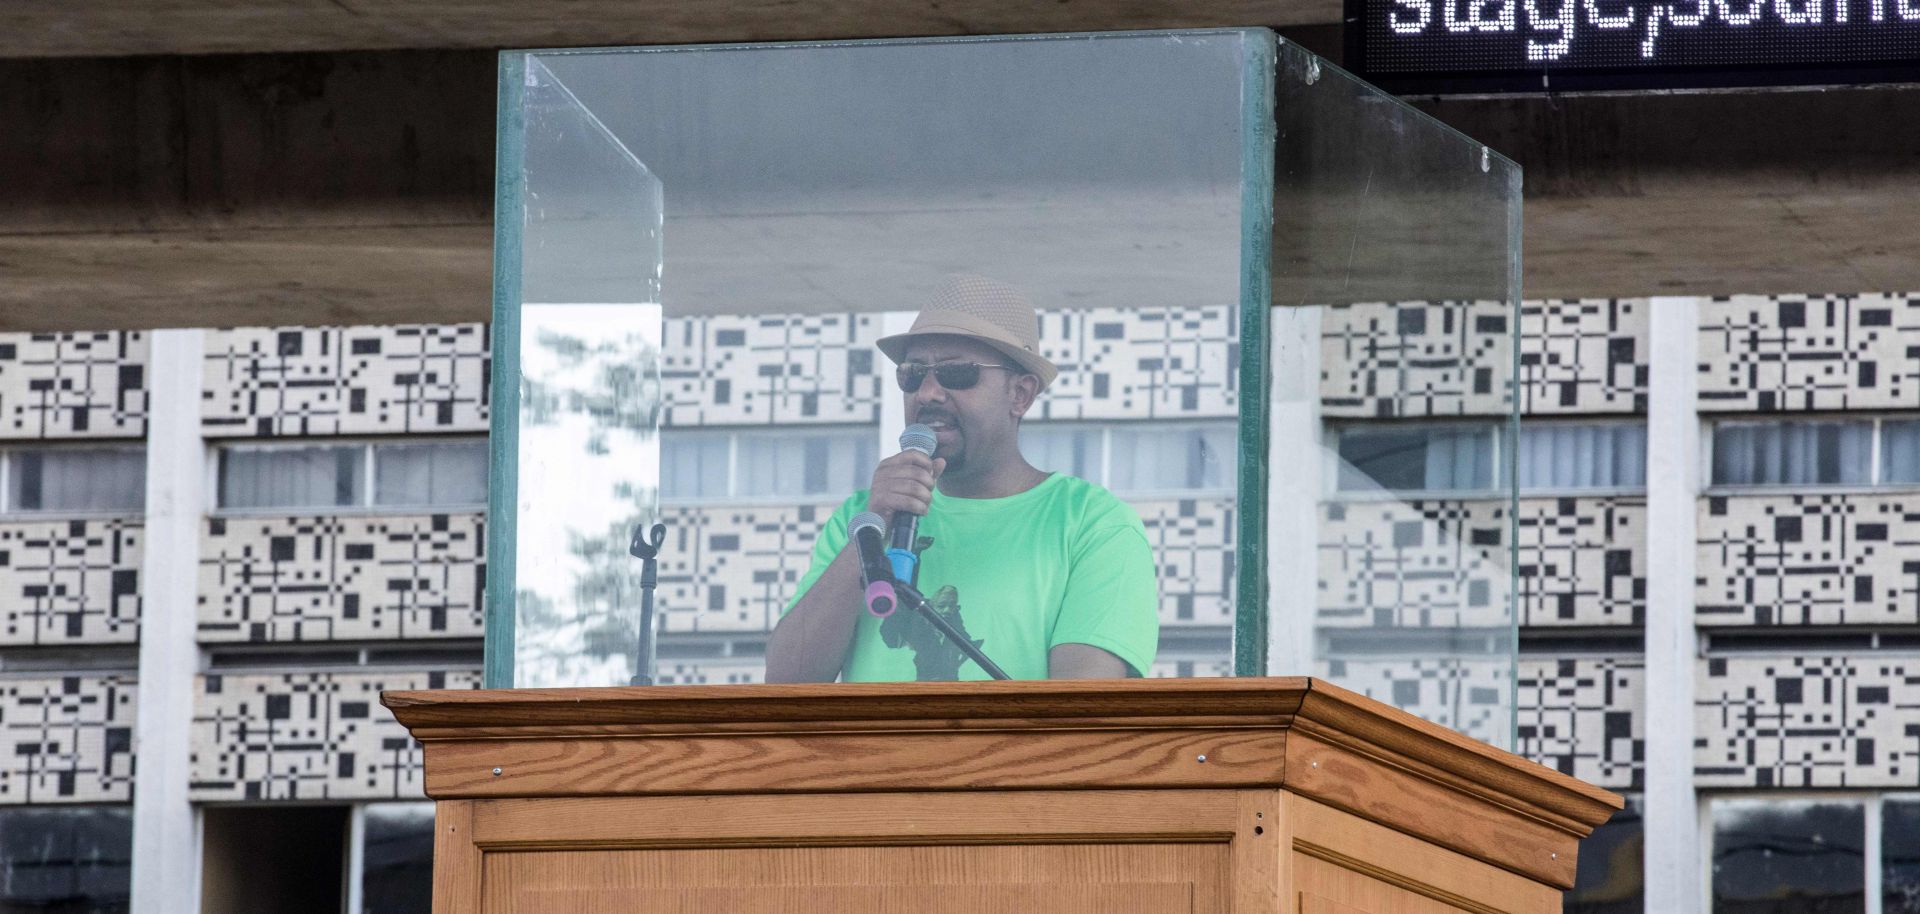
{"x": 1445, "y": 46}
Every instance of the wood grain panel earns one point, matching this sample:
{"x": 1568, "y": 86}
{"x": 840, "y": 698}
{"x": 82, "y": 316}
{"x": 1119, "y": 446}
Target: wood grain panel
{"x": 456, "y": 859}
{"x": 1332, "y": 885}
{"x": 1316, "y": 904}
{"x": 949, "y": 761}
{"x": 1403, "y": 800}
{"x": 1262, "y": 851}
{"x": 857, "y": 899}
{"x": 1347, "y": 841}
{"x": 1187, "y": 877}
{"x": 772, "y": 821}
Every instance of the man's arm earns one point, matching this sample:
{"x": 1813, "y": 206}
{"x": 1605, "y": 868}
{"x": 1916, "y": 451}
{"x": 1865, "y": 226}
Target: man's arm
{"x": 1084, "y": 661}
{"x": 811, "y": 641}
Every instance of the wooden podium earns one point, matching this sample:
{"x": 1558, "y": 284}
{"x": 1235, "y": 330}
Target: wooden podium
{"x": 1203, "y": 795}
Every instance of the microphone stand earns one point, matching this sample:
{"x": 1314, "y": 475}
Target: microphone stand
{"x": 914, "y": 598}
{"x": 647, "y": 550}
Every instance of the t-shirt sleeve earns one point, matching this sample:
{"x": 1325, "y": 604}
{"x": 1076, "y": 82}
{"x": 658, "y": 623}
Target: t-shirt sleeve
{"x": 1113, "y": 596}
{"x": 827, "y": 545}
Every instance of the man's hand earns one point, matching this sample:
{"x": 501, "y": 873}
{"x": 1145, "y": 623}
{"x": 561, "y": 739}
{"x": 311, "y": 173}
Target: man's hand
{"x": 904, "y": 482}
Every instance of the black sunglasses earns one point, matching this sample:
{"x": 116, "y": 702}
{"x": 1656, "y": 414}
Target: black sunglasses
{"x": 952, "y": 375}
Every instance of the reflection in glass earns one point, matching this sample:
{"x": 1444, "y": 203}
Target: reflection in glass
{"x": 806, "y": 465}
{"x": 1148, "y": 459}
{"x": 1900, "y": 857}
{"x": 1416, "y": 459}
{"x": 1611, "y": 876}
{"x": 1900, "y": 452}
{"x": 1076, "y": 450}
{"x": 696, "y": 464}
{"x": 70, "y": 859}
{"x": 397, "y": 855}
{"x": 1563, "y": 457}
{"x": 430, "y": 474}
{"x": 292, "y": 477}
{"x": 1788, "y": 856}
{"x": 85, "y": 479}
{"x": 1793, "y": 453}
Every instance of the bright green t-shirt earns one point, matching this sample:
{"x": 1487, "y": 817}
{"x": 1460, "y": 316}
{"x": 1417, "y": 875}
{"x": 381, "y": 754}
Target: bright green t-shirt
{"x": 1064, "y": 562}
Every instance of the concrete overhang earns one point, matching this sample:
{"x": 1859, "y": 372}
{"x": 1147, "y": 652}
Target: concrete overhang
{"x": 103, "y": 28}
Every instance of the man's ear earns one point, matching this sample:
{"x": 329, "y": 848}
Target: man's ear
{"x": 1026, "y": 389}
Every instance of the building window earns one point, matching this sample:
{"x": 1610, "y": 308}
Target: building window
{"x": 353, "y": 476}
{"x": 73, "y": 480}
{"x": 1469, "y": 459}
{"x": 1900, "y": 856}
{"x": 767, "y": 464}
{"x": 1139, "y": 459}
{"x": 77, "y": 858}
{"x": 1611, "y": 875}
{"x": 1788, "y": 855}
{"x": 1793, "y": 453}
{"x": 397, "y": 854}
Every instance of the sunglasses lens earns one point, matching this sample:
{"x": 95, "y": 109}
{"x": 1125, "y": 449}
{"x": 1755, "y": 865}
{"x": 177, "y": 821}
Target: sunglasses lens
{"x": 910, "y": 377}
{"x": 958, "y": 376}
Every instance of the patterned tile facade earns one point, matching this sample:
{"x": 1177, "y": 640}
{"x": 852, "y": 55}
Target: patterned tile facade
{"x": 269, "y": 382}
{"x": 1789, "y": 353}
{"x": 1583, "y": 561}
{"x": 1142, "y": 363}
{"x": 1429, "y": 359}
{"x": 1467, "y": 694}
{"x": 732, "y": 569}
{"x": 1834, "y": 559}
{"x": 70, "y": 581}
{"x": 1585, "y": 717}
{"x": 68, "y": 739}
{"x": 73, "y": 385}
{"x": 307, "y": 736}
{"x": 1808, "y": 721}
{"x": 342, "y": 577}
{"x": 771, "y": 369}
{"x": 1413, "y": 564}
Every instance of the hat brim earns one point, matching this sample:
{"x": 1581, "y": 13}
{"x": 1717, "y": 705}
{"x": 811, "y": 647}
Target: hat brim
{"x": 895, "y": 347}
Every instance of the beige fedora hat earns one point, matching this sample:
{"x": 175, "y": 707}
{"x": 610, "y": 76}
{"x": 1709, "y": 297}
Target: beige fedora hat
{"x": 992, "y": 312}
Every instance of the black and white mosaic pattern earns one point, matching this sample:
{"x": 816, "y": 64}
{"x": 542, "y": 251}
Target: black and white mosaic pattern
{"x": 73, "y": 385}
{"x": 772, "y": 369}
{"x": 1427, "y": 359}
{"x": 70, "y": 581}
{"x": 1469, "y": 694}
{"x": 271, "y": 382}
{"x": 733, "y": 569}
{"x": 1832, "y": 559}
{"x": 1142, "y": 363}
{"x": 1585, "y": 717}
{"x": 342, "y": 577}
{"x": 1808, "y": 721}
{"x": 1413, "y": 564}
{"x": 307, "y": 736}
{"x": 1789, "y": 353}
{"x": 68, "y": 739}
{"x": 1583, "y": 561}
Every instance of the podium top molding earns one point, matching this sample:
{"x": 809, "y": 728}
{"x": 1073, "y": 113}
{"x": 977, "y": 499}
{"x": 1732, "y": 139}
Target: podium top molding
{"x": 1301, "y": 734}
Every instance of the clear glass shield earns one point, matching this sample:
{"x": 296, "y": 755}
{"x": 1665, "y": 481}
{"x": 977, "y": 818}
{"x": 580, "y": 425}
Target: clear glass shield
{"x": 1393, "y": 344}
{"x": 813, "y": 201}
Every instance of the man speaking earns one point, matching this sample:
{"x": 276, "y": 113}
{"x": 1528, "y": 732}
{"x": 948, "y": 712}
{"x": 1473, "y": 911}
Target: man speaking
{"x": 1049, "y": 575}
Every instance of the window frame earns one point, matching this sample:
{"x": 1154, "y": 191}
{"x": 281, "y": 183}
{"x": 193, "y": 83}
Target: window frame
{"x": 1872, "y": 803}
{"x": 1107, "y": 428}
{"x": 367, "y": 506}
{"x": 9, "y": 514}
{"x": 732, "y": 434}
{"x": 1505, "y": 456}
{"x": 1876, "y": 463}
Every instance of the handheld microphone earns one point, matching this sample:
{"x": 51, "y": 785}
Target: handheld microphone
{"x": 920, "y": 438}
{"x": 879, "y": 595}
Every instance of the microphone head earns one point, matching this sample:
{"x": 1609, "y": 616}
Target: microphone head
{"x": 918, "y": 437}
{"x": 866, "y": 519}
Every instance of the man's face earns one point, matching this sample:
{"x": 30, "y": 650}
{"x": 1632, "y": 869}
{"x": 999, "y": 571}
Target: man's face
{"x": 979, "y": 420}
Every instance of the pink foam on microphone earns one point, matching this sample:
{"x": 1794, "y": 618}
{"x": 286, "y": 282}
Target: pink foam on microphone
{"x": 880, "y": 593}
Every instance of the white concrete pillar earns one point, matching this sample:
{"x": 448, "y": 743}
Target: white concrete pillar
{"x": 1675, "y": 870}
{"x": 1295, "y": 487}
{"x": 166, "y": 865}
